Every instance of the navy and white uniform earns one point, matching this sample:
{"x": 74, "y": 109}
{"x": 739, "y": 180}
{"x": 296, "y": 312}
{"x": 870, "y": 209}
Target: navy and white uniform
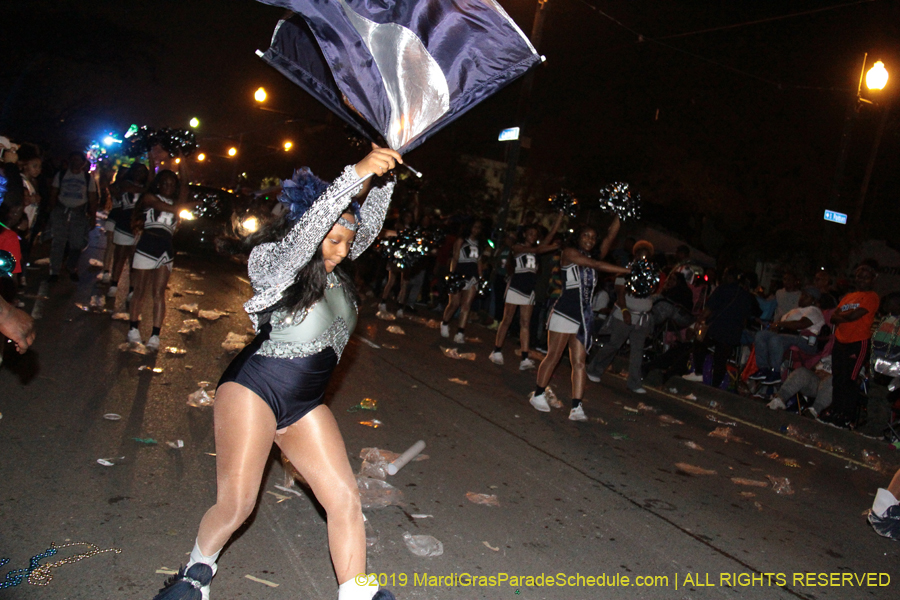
{"x": 121, "y": 214}
{"x": 154, "y": 248}
{"x": 520, "y": 290}
{"x": 467, "y": 262}
{"x": 572, "y": 312}
{"x": 291, "y": 360}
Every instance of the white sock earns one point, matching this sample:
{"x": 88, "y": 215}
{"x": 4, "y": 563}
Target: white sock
{"x": 198, "y": 556}
{"x": 883, "y": 501}
{"x": 358, "y": 588}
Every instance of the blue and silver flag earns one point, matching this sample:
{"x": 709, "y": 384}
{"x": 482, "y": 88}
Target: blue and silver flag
{"x": 403, "y": 68}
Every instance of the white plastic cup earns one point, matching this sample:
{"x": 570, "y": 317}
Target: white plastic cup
{"x": 404, "y": 458}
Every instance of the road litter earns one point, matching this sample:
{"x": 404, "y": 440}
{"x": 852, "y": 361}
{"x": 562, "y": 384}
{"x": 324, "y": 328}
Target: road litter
{"x": 669, "y": 420}
{"x": 175, "y": 351}
{"x": 212, "y": 315}
{"x": 288, "y": 490}
{"x": 874, "y": 461}
{"x": 149, "y": 368}
{"x": 190, "y": 308}
{"x": 758, "y": 506}
{"x": 781, "y": 485}
{"x": 423, "y": 545}
{"x": 193, "y": 292}
{"x": 473, "y": 340}
{"x": 280, "y": 497}
{"x": 98, "y": 264}
{"x": 619, "y": 436}
{"x": 195, "y": 277}
{"x": 365, "y": 404}
{"x": 725, "y": 433}
{"x": 112, "y": 417}
{"x": 401, "y": 461}
{"x": 386, "y": 316}
{"x": 491, "y": 547}
{"x": 720, "y": 422}
{"x": 235, "y": 342}
{"x": 177, "y": 444}
{"x": 201, "y": 397}
{"x": 691, "y": 397}
{"x": 367, "y": 342}
{"x": 693, "y": 470}
{"x": 811, "y": 439}
{"x": 110, "y": 462}
{"x": 693, "y": 445}
{"x": 747, "y": 494}
{"x": 630, "y": 409}
{"x": 145, "y": 441}
{"x": 396, "y": 329}
{"x": 458, "y": 380}
{"x": 121, "y": 316}
{"x": 374, "y": 423}
{"x": 646, "y": 408}
{"x": 454, "y": 353}
{"x": 92, "y": 308}
{"x": 41, "y": 261}
{"x": 420, "y": 516}
{"x": 485, "y": 499}
{"x": 750, "y": 482}
{"x": 166, "y": 571}
{"x": 375, "y": 493}
{"x": 271, "y": 584}
{"x": 390, "y": 347}
{"x": 190, "y": 326}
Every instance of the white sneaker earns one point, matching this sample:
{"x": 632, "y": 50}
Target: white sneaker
{"x": 776, "y": 404}
{"x": 382, "y": 307}
{"x": 105, "y": 277}
{"x": 496, "y": 358}
{"x": 577, "y": 414}
{"x": 152, "y": 343}
{"x": 134, "y": 336}
{"x": 527, "y": 364}
{"x": 445, "y": 330}
{"x": 112, "y": 291}
{"x": 399, "y": 312}
{"x": 693, "y": 377}
{"x": 539, "y": 402}
{"x": 640, "y": 390}
{"x": 459, "y": 338}
{"x": 592, "y": 377}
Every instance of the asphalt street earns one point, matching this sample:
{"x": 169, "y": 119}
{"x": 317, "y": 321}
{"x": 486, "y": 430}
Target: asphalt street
{"x": 641, "y": 492}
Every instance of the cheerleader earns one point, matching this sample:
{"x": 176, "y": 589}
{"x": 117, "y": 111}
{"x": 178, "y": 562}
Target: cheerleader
{"x": 465, "y": 260}
{"x": 125, "y": 196}
{"x": 520, "y": 291}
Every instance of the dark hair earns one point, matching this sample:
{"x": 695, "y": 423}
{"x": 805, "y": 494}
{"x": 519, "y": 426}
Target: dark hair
{"x": 77, "y": 153}
{"x": 165, "y": 174}
{"x": 309, "y": 284}
{"x": 28, "y": 152}
{"x": 137, "y": 173}
{"x": 573, "y": 240}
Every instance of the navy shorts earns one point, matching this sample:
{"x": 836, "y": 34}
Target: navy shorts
{"x": 291, "y": 387}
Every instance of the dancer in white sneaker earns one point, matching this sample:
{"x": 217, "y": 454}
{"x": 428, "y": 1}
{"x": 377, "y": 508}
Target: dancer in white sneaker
{"x": 466, "y": 260}
{"x": 520, "y": 291}
{"x": 304, "y": 309}
{"x": 571, "y": 319}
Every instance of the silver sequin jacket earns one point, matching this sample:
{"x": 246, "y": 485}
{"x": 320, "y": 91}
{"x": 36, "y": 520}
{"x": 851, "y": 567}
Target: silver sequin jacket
{"x": 273, "y": 266}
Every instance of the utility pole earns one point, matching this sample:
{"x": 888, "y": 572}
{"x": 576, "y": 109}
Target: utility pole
{"x": 512, "y": 150}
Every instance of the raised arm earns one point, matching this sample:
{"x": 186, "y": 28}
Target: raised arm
{"x": 572, "y": 255}
{"x": 371, "y": 215}
{"x": 611, "y": 234}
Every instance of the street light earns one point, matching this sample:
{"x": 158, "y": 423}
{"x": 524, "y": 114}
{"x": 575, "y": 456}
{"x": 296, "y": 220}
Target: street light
{"x": 195, "y": 122}
{"x": 201, "y": 157}
{"x": 260, "y": 95}
{"x": 232, "y": 152}
{"x": 288, "y": 145}
{"x": 877, "y": 77}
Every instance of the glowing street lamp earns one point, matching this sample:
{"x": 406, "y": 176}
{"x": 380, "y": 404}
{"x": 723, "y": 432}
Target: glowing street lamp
{"x": 260, "y": 95}
{"x": 232, "y": 151}
{"x": 195, "y": 122}
{"x": 288, "y": 145}
{"x": 877, "y": 77}
{"x": 201, "y": 157}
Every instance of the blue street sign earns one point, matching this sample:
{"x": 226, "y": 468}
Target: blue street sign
{"x": 507, "y": 135}
{"x": 835, "y": 217}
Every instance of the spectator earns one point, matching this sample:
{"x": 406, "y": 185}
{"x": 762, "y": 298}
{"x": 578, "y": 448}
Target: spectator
{"x": 724, "y": 319}
{"x": 771, "y": 343}
{"x": 853, "y": 320}
{"x": 73, "y": 202}
{"x": 885, "y": 515}
{"x": 787, "y": 297}
{"x": 812, "y": 384}
{"x": 823, "y": 282}
{"x": 631, "y": 322}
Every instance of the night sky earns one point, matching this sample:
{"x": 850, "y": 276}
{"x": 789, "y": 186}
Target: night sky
{"x": 751, "y": 139}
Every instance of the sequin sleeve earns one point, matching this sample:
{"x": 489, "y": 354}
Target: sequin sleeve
{"x": 273, "y": 266}
{"x": 372, "y": 214}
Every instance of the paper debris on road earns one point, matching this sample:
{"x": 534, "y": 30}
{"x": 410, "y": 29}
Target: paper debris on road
{"x": 386, "y": 316}
{"x": 423, "y": 545}
{"x": 485, "y": 499}
{"x": 725, "y": 433}
{"x": 190, "y": 308}
{"x": 396, "y": 329}
{"x": 781, "y": 485}
{"x": 149, "y": 368}
{"x": 193, "y": 292}
{"x": 176, "y": 444}
{"x": 646, "y": 408}
{"x": 454, "y": 353}
{"x": 694, "y": 470}
{"x": 750, "y": 482}
{"x": 166, "y": 571}
{"x": 720, "y": 422}
{"x": 235, "y": 342}
{"x": 693, "y": 445}
{"x": 280, "y": 497}
{"x": 271, "y": 584}
{"x": 491, "y": 547}
{"x": 458, "y": 380}
{"x": 112, "y": 417}
{"x": 201, "y": 398}
{"x": 189, "y": 326}
{"x": 213, "y": 314}
{"x": 390, "y": 347}
{"x": 176, "y": 351}
{"x": 367, "y": 342}
{"x": 670, "y": 420}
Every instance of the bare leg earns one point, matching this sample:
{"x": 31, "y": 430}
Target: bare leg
{"x": 109, "y": 252}
{"x": 315, "y": 447}
{"x": 894, "y": 487}
{"x": 467, "y": 297}
{"x": 524, "y": 326}
{"x": 245, "y": 429}
{"x": 578, "y": 357}
{"x": 404, "y": 288}
{"x": 142, "y": 281}
{"x": 556, "y": 343}
{"x": 160, "y": 279}
{"x": 121, "y": 254}
{"x": 452, "y": 305}
{"x": 509, "y": 311}
{"x": 392, "y": 279}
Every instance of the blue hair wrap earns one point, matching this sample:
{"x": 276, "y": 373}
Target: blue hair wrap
{"x": 301, "y": 191}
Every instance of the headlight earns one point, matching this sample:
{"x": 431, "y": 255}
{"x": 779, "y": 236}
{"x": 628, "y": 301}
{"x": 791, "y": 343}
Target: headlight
{"x": 187, "y": 215}
{"x": 250, "y": 224}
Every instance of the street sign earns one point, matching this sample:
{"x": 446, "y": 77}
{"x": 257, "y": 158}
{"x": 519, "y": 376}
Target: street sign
{"x": 508, "y": 135}
{"x": 835, "y": 217}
